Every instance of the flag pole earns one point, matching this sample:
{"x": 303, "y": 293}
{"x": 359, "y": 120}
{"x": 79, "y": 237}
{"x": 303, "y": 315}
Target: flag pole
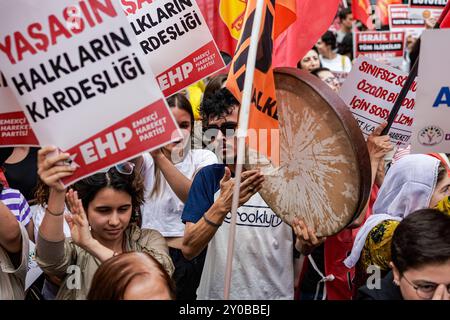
{"x": 410, "y": 80}
{"x": 344, "y": 2}
{"x": 241, "y": 134}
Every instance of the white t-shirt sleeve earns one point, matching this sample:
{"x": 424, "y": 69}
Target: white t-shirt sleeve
{"x": 148, "y": 167}
{"x": 202, "y": 158}
{"x": 348, "y": 64}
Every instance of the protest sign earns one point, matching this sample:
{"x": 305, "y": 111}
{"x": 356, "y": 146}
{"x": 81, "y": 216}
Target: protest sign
{"x": 370, "y": 92}
{"x": 82, "y": 81}
{"x": 14, "y": 127}
{"x": 412, "y": 18}
{"x": 430, "y": 5}
{"x": 403, "y": 18}
{"x": 387, "y": 47}
{"x": 176, "y": 41}
{"x": 33, "y": 270}
{"x": 431, "y": 130}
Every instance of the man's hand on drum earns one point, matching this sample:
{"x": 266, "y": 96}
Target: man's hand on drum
{"x": 307, "y": 240}
{"x": 251, "y": 183}
{"x": 377, "y": 145}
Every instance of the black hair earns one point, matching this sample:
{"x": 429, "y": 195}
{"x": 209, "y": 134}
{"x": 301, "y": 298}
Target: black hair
{"x": 346, "y": 46}
{"x": 219, "y": 104}
{"x": 299, "y": 63}
{"x": 344, "y": 13}
{"x": 329, "y": 39}
{"x": 132, "y": 184}
{"x": 214, "y": 84}
{"x": 422, "y": 238}
{"x": 178, "y": 100}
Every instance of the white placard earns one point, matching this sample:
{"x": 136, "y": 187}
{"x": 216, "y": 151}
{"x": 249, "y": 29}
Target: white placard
{"x": 82, "y": 81}
{"x": 370, "y": 92}
{"x": 176, "y": 40}
{"x": 431, "y": 130}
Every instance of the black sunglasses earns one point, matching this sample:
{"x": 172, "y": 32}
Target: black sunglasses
{"x": 227, "y": 128}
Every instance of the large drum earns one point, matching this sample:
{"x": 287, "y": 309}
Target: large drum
{"x": 324, "y": 174}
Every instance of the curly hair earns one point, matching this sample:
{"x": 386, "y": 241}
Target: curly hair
{"x": 219, "y": 104}
{"x": 132, "y": 184}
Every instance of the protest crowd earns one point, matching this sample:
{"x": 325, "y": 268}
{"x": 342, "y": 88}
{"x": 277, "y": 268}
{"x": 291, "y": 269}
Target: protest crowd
{"x": 150, "y": 217}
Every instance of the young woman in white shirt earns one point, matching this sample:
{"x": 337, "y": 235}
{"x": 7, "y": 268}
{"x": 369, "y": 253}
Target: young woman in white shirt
{"x": 168, "y": 174}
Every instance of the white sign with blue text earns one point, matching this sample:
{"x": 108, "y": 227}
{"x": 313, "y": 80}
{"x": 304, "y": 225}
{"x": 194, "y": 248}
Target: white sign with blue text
{"x": 431, "y": 129}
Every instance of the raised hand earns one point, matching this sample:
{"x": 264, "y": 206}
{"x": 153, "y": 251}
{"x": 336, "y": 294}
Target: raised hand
{"x": 307, "y": 240}
{"x": 377, "y": 145}
{"x": 77, "y": 221}
{"x": 51, "y": 169}
{"x": 251, "y": 182}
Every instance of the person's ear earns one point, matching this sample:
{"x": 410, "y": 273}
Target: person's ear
{"x": 396, "y": 273}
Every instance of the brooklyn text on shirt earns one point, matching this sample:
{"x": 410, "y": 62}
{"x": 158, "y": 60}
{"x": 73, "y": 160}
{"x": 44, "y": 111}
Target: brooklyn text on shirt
{"x": 255, "y": 216}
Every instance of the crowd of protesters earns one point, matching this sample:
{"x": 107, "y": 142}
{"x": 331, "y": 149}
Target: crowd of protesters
{"x": 157, "y": 226}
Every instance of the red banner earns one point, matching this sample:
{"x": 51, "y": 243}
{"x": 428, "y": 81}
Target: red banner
{"x": 149, "y": 128}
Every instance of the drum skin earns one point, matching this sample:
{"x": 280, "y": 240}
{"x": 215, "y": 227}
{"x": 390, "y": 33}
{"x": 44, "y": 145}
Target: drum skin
{"x": 324, "y": 176}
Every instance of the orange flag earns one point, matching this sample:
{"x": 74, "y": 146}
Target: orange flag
{"x": 277, "y": 16}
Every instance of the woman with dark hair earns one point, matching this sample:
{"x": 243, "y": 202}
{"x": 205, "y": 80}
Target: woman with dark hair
{"x": 131, "y": 276}
{"x": 420, "y": 260}
{"x": 104, "y": 211}
{"x": 168, "y": 174}
{"x": 310, "y": 61}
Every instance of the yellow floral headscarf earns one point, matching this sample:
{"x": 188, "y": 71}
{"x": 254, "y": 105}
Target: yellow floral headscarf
{"x": 444, "y": 206}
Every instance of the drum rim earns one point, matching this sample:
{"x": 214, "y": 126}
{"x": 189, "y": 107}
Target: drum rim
{"x": 350, "y": 126}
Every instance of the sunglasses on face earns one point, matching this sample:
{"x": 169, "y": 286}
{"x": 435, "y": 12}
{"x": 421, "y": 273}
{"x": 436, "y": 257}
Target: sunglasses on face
{"x": 125, "y": 168}
{"x": 227, "y": 128}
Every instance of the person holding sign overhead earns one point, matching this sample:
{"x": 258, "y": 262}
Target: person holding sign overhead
{"x": 168, "y": 173}
{"x": 104, "y": 208}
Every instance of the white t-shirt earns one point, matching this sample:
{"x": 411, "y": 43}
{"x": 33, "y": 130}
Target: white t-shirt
{"x": 263, "y": 262}
{"x": 339, "y": 64}
{"x": 38, "y": 213}
{"x": 163, "y": 212}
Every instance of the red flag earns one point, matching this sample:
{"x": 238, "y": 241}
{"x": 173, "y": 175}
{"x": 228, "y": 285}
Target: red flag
{"x": 276, "y": 17}
{"x": 361, "y": 11}
{"x": 383, "y": 6}
{"x": 224, "y": 19}
{"x": 313, "y": 19}
{"x": 444, "y": 19}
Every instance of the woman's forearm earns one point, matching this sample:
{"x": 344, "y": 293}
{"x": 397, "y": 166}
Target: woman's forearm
{"x": 177, "y": 181}
{"x": 52, "y": 228}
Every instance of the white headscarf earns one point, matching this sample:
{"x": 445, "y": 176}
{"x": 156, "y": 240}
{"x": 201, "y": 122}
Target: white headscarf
{"x": 407, "y": 187}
